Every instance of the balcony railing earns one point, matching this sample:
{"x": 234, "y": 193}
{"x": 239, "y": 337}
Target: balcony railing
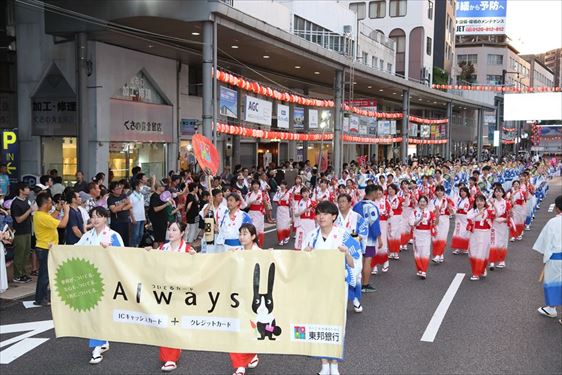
{"x": 342, "y": 44}
{"x": 377, "y": 36}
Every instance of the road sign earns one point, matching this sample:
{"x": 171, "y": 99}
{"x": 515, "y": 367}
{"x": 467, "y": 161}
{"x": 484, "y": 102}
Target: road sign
{"x": 9, "y": 154}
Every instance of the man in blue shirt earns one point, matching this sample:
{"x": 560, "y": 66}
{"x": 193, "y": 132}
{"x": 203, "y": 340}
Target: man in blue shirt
{"x": 75, "y": 227}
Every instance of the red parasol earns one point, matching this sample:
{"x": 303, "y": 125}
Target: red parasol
{"x": 206, "y": 153}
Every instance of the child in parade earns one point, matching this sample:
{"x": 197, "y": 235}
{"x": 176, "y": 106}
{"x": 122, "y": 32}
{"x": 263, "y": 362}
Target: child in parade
{"x": 283, "y": 215}
{"x": 231, "y": 220}
{"x": 461, "y": 236}
{"x": 100, "y": 235}
{"x": 423, "y": 221}
{"x": 256, "y": 201}
{"x": 306, "y": 213}
{"x": 176, "y": 244}
{"x": 385, "y": 212}
{"x": 354, "y": 224}
{"x": 248, "y": 237}
{"x": 500, "y": 228}
{"x": 443, "y": 207}
{"x": 480, "y": 219}
{"x": 395, "y": 225}
{"x": 327, "y": 236}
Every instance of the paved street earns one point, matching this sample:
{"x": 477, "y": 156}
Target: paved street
{"x": 491, "y": 327}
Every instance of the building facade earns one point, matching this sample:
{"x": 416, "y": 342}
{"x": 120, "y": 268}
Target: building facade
{"x": 540, "y": 75}
{"x": 552, "y": 60}
{"x": 444, "y": 43}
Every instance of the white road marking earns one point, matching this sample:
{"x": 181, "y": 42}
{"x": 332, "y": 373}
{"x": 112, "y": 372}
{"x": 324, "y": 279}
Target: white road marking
{"x": 29, "y": 304}
{"x": 439, "y": 314}
{"x": 271, "y": 230}
{"x": 22, "y": 343}
{"x": 551, "y": 207}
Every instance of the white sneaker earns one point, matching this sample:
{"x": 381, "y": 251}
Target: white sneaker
{"x": 375, "y": 270}
{"x": 97, "y": 356}
{"x": 169, "y": 366}
{"x": 501, "y": 265}
{"x": 334, "y": 369}
{"x": 474, "y": 278}
{"x": 435, "y": 259}
{"x": 254, "y": 362}
{"x": 548, "y": 311}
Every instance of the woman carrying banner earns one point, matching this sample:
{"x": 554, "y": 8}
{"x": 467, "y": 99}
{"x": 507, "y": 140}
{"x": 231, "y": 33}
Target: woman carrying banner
{"x": 248, "y": 241}
{"x": 283, "y": 216}
{"x": 327, "y": 237}
{"x": 459, "y": 242}
{"x": 423, "y": 221}
{"x": 480, "y": 219}
{"x": 100, "y": 235}
{"x": 256, "y": 200}
{"x": 175, "y": 233}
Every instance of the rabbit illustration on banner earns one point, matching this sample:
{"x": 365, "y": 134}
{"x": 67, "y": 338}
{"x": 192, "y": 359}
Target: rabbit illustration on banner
{"x": 262, "y": 305}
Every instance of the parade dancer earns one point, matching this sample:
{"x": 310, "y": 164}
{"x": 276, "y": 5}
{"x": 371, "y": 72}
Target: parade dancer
{"x": 443, "y": 207}
{"x": 327, "y": 236}
{"x": 283, "y": 216}
{"x": 518, "y": 201}
{"x": 100, "y": 235}
{"x": 354, "y": 224}
{"x": 395, "y": 224}
{"x": 248, "y": 237}
{"x": 296, "y": 196}
{"x": 176, "y": 231}
{"x": 408, "y": 191}
{"x": 256, "y": 200}
{"x": 323, "y": 194}
{"x": 306, "y": 213}
{"x": 549, "y": 243}
{"x": 480, "y": 219}
{"x": 500, "y": 229}
{"x": 216, "y": 208}
{"x": 385, "y": 211}
{"x": 422, "y": 220}
{"x": 461, "y": 235}
{"x": 231, "y": 220}
{"x": 368, "y": 210}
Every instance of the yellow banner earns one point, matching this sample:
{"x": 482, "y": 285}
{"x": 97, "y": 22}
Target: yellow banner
{"x": 284, "y": 302}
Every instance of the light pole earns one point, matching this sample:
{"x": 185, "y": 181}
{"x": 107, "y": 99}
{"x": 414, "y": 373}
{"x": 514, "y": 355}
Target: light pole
{"x": 323, "y": 125}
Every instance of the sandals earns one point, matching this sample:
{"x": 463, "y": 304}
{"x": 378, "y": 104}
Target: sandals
{"x": 169, "y": 366}
{"x": 254, "y": 362}
{"x": 97, "y": 356}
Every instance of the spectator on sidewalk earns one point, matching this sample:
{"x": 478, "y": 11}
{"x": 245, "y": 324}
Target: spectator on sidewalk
{"x": 21, "y": 215}
{"x": 81, "y": 184}
{"x": 75, "y": 228}
{"x": 45, "y": 226}
{"x": 138, "y": 213}
{"x": 119, "y": 205}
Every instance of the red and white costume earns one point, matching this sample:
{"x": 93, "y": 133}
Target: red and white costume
{"x": 385, "y": 211}
{"x": 283, "y": 218}
{"x": 500, "y": 231}
{"x": 256, "y": 203}
{"x": 422, "y": 236}
{"x": 441, "y": 206}
{"x": 307, "y": 216}
{"x": 395, "y": 224}
{"x": 172, "y": 354}
{"x": 461, "y": 235}
{"x": 411, "y": 198}
{"x": 519, "y": 211}
{"x": 427, "y": 190}
{"x": 480, "y": 223}
{"x": 325, "y": 195}
{"x": 296, "y": 197}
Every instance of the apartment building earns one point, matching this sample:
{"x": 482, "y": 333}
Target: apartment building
{"x": 444, "y": 43}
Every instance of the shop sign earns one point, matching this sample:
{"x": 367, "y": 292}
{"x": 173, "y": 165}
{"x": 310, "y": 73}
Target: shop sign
{"x": 140, "y": 88}
{"x": 383, "y": 127}
{"x": 9, "y": 154}
{"x": 189, "y": 127}
{"x": 392, "y": 127}
{"x": 363, "y": 126}
{"x": 283, "y": 116}
{"x": 413, "y": 129}
{"x": 425, "y": 131}
{"x": 54, "y": 116}
{"x": 372, "y": 126}
{"x": 354, "y": 124}
{"x": 258, "y": 111}
{"x": 313, "y": 119}
{"x": 228, "y": 102}
{"x": 298, "y": 117}
{"x": 140, "y": 122}
{"x": 346, "y": 124}
{"x": 481, "y": 17}
{"x": 362, "y": 103}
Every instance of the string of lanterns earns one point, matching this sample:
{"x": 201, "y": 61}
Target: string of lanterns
{"x": 508, "y": 129}
{"x": 496, "y": 88}
{"x": 259, "y": 89}
{"x": 373, "y": 140}
{"x": 266, "y": 134}
{"x": 535, "y": 134}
